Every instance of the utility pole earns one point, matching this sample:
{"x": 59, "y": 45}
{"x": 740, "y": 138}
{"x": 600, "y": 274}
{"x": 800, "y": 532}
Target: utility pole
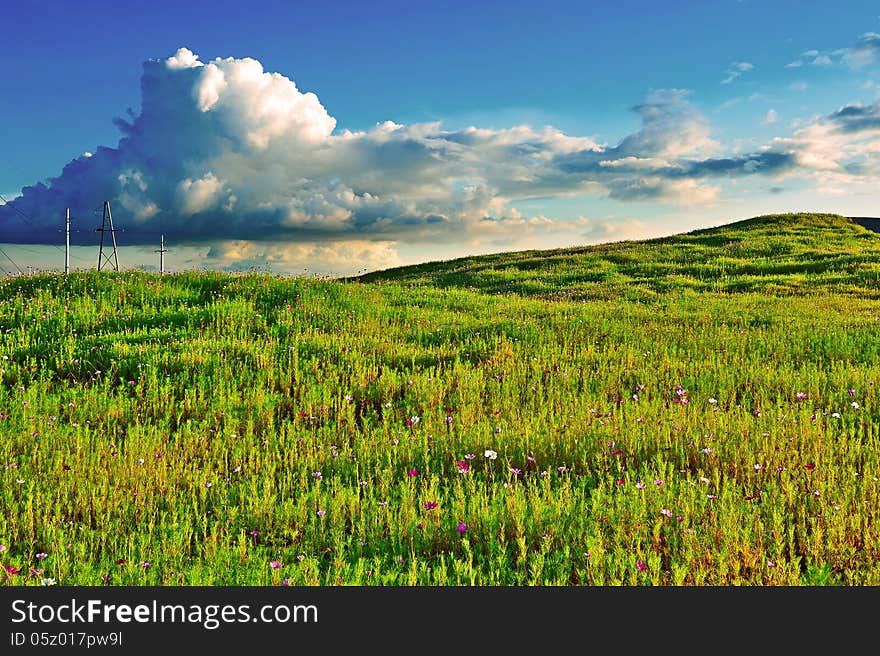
{"x": 67, "y": 243}
{"x": 107, "y": 220}
{"x": 162, "y": 250}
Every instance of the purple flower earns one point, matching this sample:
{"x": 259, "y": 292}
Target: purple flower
{"x": 851, "y": 391}
{"x": 560, "y": 469}
{"x": 321, "y": 513}
{"x": 469, "y": 456}
{"x": 317, "y": 475}
{"x": 448, "y": 420}
{"x": 461, "y": 528}
{"x": 146, "y": 563}
{"x": 255, "y": 532}
{"x": 275, "y": 564}
{"x": 515, "y": 470}
{"x": 430, "y": 505}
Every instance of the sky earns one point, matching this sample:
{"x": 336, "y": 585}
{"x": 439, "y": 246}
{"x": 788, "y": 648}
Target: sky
{"x": 339, "y": 137}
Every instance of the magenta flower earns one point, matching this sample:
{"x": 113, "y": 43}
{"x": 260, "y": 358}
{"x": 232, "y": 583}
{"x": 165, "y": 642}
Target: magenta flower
{"x": 276, "y": 564}
{"x": 658, "y": 481}
{"x": 255, "y": 532}
{"x": 321, "y": 513}
{"x": 801, "y": 395}
{"x": 463, "y": 466}
{"x": 461, "y": 528}
{"x": 430, "y": 505}
{"x": 642, "y": 567}
{"x": 412, "y": 473}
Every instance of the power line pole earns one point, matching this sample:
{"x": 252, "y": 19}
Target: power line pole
{"x": 107, "y": 220}
{"x": 162, "y": 250}
{"x": 67, "y": 243}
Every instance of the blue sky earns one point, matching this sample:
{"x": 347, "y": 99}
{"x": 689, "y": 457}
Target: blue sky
{"x": 512, "y": 124}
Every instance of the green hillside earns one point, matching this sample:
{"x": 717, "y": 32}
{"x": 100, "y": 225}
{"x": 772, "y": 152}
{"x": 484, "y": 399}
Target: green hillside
{"x": 776, "y": 255}
{"x": 705, "y": 413}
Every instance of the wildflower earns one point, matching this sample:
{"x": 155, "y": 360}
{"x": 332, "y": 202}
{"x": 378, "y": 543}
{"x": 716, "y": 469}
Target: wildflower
{"x": 851, "y": 391}
{"x": 640, "y": 486}
{"x": 561, "y": 468}
{"x": 42, "y": 555}
{"x": 758, "y": 467}
{"x": 12, "y": 570}
{"x": 810, "y": 465}
{"x": 855, "y": 405}
{"x": 679, "y": 518}
{"x": 120, "y": 561}
{"x": 209, "y": 484}
{"x": 711, "y": 496}
{"x": 530, "y": 458}
{"x": 497, "y": 430}
{"x": 430, "y": 505}
{"x": 275, "y": 564}
{"x": 543, "y": 473}
{"x": 35, "y": 571}
{"x": 448, "y": 420}
{"x": 321, "y": 513}
{"x": 461, "y": 528}
{"x": 363, "y": 484}
{"x": 300, "y": 558}
{"x": 2, "y": 547}
{"x": 713, "y": 401}
{"x": 703, "y": 479}
{"x": 349, "y": 398}
{"x": 515, "y": 470}
{"x": 770, "y": 563}
{"x": 412, "y": 473}
{"x": 255, "y": 532}
{"x": 801, "y": 395}
{"x": 642, "y": 567}
{"x": 463, "y": 466}
{"x": 285, "y": 582}
{"x": 620, "y": 481}
{"x": 666, "y": 512}
{"x": 412, "y": 421}
{"x": 707, "y": 450}
{"x": 658, "y": 481}
{"x": 469, "y": 456}
{"x": 490, "y": 454}
{"x": 106, "y": 578}
{"x": 836, "y": 415}
{"x": 388, "y": 404}
{"x": 317, "y": 475}
{"x": 146, "y": 563}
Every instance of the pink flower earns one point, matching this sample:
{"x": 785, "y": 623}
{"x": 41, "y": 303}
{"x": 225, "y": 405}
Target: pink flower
{"x": 658, "y": 481}
{"x": 463, "y": 466}
{"x": 640, "y": 486}
{"x": 276, "y": 564}
{"x": 321, "y": 513}
{"x": 461, "y": 528}
{"x": 42, "y": 555}
{"x": 412, "y": 472}
{"x": 642, "y": 567}
{"x": 430, "y": 505}
{"x": 666, "y": 512}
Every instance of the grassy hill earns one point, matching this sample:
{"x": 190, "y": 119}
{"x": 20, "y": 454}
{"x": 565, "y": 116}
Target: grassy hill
{"x": 776, "y": 255}
{"x": 706, "y": 413}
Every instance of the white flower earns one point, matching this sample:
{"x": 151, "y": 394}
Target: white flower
{"x": 490, "y": 454}
{"x": 49, "y": 581}
{"x": 713, "y": 401}
{"x": 855, "y": 405}
{"x": 836, "y": 415}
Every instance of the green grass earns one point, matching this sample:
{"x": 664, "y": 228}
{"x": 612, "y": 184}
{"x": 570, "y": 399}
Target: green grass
{"x": 123, "y": 395}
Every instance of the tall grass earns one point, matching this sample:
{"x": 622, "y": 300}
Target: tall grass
{"x": 204, "y": 428}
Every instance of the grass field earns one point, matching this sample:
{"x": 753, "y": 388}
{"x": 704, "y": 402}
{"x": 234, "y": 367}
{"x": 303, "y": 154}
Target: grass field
{"x": 694, "y": 410}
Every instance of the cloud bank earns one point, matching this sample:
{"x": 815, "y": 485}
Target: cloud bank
{"x": 226, "y": 153}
